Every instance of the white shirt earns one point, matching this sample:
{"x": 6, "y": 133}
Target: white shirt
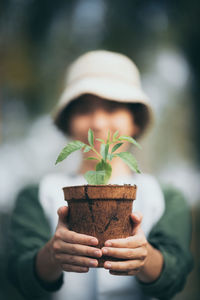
{"x": 99, "y": 284}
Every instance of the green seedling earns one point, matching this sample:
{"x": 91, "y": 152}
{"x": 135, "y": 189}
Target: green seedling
{"x": 103, "y": 169}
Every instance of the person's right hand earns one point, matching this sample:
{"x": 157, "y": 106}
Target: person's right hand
{"x": 73, "y": 251}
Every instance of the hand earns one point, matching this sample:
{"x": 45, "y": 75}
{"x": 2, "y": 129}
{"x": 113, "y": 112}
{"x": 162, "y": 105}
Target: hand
{"x": 133, "y": 251}
{"x": 70, "y": 250}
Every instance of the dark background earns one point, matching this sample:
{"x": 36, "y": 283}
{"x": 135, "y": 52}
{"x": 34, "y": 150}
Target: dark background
{"x": 39, "y": 39}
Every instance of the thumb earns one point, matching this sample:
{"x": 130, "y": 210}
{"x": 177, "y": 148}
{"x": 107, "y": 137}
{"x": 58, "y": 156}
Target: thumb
{"x": 136, "y": 218}
{"x": 62, "y": 215}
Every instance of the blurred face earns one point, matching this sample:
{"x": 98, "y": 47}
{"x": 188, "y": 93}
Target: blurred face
{"x": 101, "y": 115}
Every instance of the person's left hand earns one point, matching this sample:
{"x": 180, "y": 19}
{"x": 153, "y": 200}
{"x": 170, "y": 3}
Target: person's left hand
{"x": 133, "y": 251}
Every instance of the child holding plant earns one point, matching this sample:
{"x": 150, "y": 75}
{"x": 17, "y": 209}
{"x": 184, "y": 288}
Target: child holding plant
{"x": 102, "y": 93}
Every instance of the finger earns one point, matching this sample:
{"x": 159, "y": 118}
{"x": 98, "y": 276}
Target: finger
{"x": 62, "y": 215}
{"x": 133, "y": 272}
{"x": 124, "y": 266}
{"x": 72, "y": 237}
{"x": 125, "y": 253}
{"x": 136, "y": 218}
{"x": 77, "y": 269}
{"x": 76, "y": 260}
{"x": 129, "y": 242}
{"x": 76, "y": 249}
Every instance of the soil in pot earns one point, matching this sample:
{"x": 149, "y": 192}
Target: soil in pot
{"x": 102, "y": 211}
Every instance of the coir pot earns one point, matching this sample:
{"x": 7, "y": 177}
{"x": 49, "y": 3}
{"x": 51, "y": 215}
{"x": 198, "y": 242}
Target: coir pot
{"x": 102, "y": 211}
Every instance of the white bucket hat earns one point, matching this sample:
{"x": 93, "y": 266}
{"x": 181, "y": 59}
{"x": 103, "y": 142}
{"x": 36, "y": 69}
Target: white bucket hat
{"x": 106, "y": 74}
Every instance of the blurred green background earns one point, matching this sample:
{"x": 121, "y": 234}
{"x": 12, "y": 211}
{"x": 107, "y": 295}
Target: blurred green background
{"x": 38, "y": 40}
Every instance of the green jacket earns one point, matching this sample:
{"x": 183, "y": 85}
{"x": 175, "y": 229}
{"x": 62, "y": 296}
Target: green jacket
{"x": 30, "y": 230}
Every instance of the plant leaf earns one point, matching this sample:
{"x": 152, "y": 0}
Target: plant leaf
{"x": 116, "y": 147}
{"x": 91, "y": 137}
{"x": 130, "y": 140}
{"x": 108, "y": 138}
{"x": 104, "y": 150}
{"x": 95, "y": 177}
{"x": 110, "y": 156}
{"x": 87, "y": 148}
{"x": 115, "y": 135}
{"x": 130, "y": 160}
{"x": 71, "y": 147}
{"x": 92, "y": 157}
{"x": 106, "y": 167}
{"x": 101, "y": 140}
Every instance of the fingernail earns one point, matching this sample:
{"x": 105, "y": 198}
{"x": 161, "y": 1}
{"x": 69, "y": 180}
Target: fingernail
{"x": 97, "y": 252}
{"x": 105, "y": 251}
{"x": 108, "y": 243}
{"x": 94, "y": 241}
{"x": 93, "y": 263}
{"x": 108, "y": 265}
{"x": 137, "y": 216}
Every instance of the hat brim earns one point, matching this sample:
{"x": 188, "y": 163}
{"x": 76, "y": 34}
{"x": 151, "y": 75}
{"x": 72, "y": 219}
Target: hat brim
{"x": 106, "y": 88}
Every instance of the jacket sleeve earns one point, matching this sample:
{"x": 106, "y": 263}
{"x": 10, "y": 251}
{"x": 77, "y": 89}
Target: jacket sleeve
{"x": 29, "y": 231}
{"x": 172, "y": 236}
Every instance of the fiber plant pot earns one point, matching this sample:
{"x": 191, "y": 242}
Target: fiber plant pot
{"x": 102, "y": 211}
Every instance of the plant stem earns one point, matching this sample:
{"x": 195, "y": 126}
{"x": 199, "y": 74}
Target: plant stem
{"x": 96, "y": 153}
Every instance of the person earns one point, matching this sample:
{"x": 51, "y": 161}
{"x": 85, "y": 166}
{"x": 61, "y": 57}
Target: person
{"x": 102, "y": 92}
